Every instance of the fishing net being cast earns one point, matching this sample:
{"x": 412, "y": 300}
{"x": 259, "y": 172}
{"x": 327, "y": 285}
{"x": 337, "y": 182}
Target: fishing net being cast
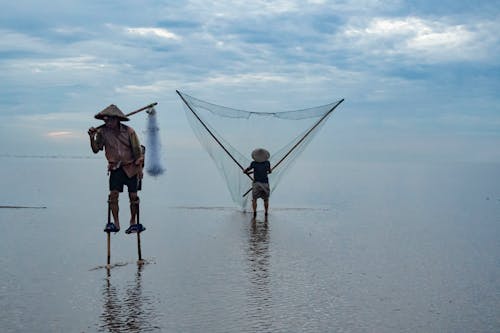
{"x": 230, "y": 136}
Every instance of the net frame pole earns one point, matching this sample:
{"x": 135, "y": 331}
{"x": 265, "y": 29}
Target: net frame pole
{"x": 307, "y": 134}
{"x": 211, "y": 134}
{"x": 302, "y": 139}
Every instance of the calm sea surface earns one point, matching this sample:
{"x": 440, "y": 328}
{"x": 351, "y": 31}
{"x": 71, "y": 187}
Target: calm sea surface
{"x": 364, "y": 248}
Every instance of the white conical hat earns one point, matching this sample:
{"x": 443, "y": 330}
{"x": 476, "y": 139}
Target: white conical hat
{"x": 260, "y": 155}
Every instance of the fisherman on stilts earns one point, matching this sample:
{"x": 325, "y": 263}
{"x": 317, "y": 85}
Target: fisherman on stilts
{"x": 125, "y": 157}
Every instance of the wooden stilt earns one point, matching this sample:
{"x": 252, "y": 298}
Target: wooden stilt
{"x": 109, "y": 249}
{"x": 139, "y": 261}
{"x": 108, "y": 265}
{"x": 139, "y": 247}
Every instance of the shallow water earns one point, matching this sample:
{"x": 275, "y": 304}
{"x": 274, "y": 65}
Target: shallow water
{"x": 391, "y": 249}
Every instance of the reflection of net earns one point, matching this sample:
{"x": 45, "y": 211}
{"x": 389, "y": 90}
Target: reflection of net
{"x": 284, "y": 134}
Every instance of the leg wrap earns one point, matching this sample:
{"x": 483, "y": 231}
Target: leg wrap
{"x": 113, "y": 206}
{"x": 113, "y": 201}
{"x": 135, "y": 201}
{"x": 134, "y": 208}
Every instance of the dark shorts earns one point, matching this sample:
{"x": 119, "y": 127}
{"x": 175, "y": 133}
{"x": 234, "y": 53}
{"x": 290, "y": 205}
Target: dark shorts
{"x": 118, "y": 178}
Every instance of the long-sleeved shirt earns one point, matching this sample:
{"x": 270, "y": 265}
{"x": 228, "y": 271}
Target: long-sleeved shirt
{"x": 122, "y": 148}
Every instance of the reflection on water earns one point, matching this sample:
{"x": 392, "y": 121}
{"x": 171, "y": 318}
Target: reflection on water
{"x": 111, "y": 307}
{"x": 128, "y": 309}
{"x": 259, "y": 295}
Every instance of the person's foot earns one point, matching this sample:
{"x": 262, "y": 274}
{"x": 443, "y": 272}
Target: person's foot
{"x": 111, "y": 227}
{"x": 131, "y": 229}
{"x": 135, "y": 228}
{"x": 140, "y": 227}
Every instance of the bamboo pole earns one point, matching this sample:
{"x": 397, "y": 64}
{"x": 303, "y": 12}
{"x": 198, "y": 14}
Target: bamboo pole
{"x": 139, "y": 261}
{"x": 109, "y": 238}
{"x": 139, "y": 252}
{"x": 109, "y": 250}
{"x": 307, "y": 134}
{"x": 149, "y": 106}
{"x": 142, "y": 109}
{"x": 213, "y": 136}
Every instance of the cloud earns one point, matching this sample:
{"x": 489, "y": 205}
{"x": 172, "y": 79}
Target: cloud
{"x": 81, "y": 63}
{"x": 13, "y": 41}
{"x": 60, "y": 134}
{"x": 422, "y": 40}
{"x": 154, "y": 87}
{"x": 52, "y": 118}
{"x": 152, "y": 32}
{"x": 243, "y": 9}
{"x": 248, "y": 78}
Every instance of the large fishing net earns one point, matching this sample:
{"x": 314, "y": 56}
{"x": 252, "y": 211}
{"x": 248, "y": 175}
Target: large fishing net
{"x": 230, "y": 135}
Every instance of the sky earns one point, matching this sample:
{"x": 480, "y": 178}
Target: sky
{"x": 420, "y": 80}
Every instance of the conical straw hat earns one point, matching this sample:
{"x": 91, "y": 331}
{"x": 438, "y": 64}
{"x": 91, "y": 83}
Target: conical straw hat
{"x": 260, "y": 155}
{"x": 111, "y": 111}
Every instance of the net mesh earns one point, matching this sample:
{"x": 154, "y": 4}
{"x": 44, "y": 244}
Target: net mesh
{"x": 153, "y": 152}
{"x": 230, "y": 135}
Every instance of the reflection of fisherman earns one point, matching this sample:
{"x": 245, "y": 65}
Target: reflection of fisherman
{"x": 125, "y": 162}
{"x": 127, "y": 308}
{"x": 261, "y": 168}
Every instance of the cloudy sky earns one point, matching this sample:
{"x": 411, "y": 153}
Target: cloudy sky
{"x": 421, "y": 80}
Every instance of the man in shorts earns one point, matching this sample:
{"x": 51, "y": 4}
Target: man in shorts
{"x": 261, "y": 168}
{"x": 125, "y": 162}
